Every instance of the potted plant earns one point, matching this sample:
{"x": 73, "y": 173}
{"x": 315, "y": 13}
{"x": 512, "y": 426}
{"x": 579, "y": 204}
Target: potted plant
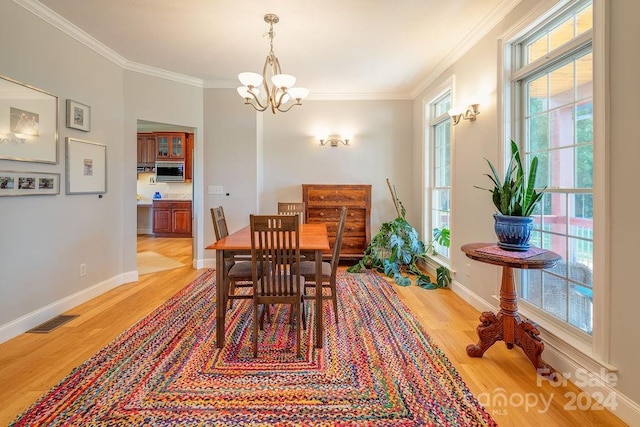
{"x": 515, "y": 198}
{"x": 396, "y": 249}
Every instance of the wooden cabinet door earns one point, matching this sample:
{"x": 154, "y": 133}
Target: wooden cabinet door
{"x": 170, "y": 146}
{"x": 161, "y": 220}
{"x": 181, "y": 220}
{"x": 188, "y": 158}
{"x": 140, "y": 148}
{"x": 149, "y": 149}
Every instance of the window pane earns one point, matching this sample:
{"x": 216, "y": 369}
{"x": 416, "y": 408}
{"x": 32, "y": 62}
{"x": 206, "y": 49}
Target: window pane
{"x": 538, "y": 92}
{"x": 442, "y": 106}
{"x": 584, "y": 166}
{"x": 537, "y": 49}
{"x": 584, "y": 71}
{"x": 561, "y": 34}
{"x": 440, "y": 216}
{"x": 562, "y": 126}
{"x": 561, "y": 86}
{"x": 584, "y": 20}
{"x": 556, "y": 36}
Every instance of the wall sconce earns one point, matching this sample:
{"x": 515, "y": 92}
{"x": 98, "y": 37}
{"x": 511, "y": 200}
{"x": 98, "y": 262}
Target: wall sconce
{"x": 470, "y": 114}
{"x": 333, "y": 140}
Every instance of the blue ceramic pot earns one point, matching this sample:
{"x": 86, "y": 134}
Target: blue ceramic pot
{"x": 513, "y": 232}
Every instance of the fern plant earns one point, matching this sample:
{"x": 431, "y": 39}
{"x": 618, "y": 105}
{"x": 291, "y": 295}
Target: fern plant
{"x": 396, "y": 249}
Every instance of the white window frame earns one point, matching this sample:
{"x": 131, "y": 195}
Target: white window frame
{"x": 593, "y": 353}
{"x": 427, "y": 145}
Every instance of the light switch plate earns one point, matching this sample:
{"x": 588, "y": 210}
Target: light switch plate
{"x": 215, "y": 189}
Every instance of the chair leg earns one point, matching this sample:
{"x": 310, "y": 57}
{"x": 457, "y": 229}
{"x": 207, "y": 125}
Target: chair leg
{"x": 334, "y": 298}
{"x": 255, "y": 329}
{"x": 304, "y": 314}
{"x": 298, "y": 329}
{"x": 232, "y": 291}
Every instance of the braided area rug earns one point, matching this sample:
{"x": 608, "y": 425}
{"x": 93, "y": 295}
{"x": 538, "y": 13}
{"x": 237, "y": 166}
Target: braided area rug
{"x": 377, "y": 368}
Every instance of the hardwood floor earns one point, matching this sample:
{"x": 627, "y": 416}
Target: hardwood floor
{"x": 31, "y": 364}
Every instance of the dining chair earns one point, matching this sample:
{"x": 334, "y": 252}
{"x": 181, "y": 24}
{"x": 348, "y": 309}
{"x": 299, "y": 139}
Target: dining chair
{"x": 329, "y": 269}
{"x": 238, "y": 272}
{"x": 292, "y": 208}
{"x": 275, "y": 245}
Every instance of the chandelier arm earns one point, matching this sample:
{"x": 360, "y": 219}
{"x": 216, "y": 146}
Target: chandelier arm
{"x": 256, "y": 99}
{"x": 290, "y": 106}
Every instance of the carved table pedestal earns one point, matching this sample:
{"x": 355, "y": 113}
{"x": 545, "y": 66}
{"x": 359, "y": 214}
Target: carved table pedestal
{"x": 507, "y": 326}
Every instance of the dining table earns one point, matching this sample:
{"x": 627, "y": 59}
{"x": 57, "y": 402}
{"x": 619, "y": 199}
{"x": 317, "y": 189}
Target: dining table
{"x": 314, "y": 242}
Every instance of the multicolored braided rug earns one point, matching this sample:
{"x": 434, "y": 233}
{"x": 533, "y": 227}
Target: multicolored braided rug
{"x": 377, "y": 368}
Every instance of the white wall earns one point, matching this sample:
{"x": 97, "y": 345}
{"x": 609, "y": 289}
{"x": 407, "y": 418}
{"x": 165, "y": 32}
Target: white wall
{"x": 260, "y": 159}
{"x": 382, "y": 137}
{"x": 623, "y": 193}
{"x": 44, "y": 239}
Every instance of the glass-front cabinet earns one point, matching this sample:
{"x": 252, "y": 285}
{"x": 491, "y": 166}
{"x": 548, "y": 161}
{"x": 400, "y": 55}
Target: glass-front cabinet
{"x": 170, "y": 146}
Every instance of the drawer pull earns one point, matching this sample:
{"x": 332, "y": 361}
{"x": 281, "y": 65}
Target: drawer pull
{"x": 321, "y": 213}
{"x": 321, "y": 197}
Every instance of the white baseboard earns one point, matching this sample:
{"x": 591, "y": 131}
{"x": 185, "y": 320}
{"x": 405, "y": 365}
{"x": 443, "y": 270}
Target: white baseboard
{"x": 588, "y": 375}
{"x": 204, "y": 263}
{"x": 28, "y": 321}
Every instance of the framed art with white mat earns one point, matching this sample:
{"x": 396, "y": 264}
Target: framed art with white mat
{"x": 86, "y": 164}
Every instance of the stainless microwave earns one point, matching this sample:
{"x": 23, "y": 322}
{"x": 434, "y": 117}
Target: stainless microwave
{"x": 169, "y": 171}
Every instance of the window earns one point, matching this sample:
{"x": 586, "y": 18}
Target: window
{"x": 439, "y": 177}
{"x": 553, "y": 107}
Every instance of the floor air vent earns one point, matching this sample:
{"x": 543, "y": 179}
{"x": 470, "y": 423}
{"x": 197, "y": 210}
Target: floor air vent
{"x": 52, "y": 324}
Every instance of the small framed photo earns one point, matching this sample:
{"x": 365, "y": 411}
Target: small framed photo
{"x": 78, "y": 116}
{"x": 86, "y": 167}
{"x": 14, "y": 183}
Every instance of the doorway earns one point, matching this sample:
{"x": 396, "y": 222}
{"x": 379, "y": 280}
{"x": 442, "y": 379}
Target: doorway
{"x": 171, "y": 219}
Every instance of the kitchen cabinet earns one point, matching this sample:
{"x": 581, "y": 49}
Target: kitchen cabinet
{"x": 170, "y": 145}
{"x": 323, "y": 203}
{"x": 188, "y": 158}
{"x": 146, "y": 150}
{"x": 172, "y": 218}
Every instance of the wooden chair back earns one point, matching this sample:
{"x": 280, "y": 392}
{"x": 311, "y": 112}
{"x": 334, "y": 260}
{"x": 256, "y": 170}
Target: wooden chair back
{"x": 292, "y": 208}
{"x": 335, "y": 256}
{"x": 275, "y": 243}
{"x": 219, "y": 223}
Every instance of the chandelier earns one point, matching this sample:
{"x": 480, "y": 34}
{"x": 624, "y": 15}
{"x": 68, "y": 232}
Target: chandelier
{"x": 277, "y": 95}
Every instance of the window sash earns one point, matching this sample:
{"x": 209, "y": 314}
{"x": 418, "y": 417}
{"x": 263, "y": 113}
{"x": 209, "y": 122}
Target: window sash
{"x": 573, "y": 304}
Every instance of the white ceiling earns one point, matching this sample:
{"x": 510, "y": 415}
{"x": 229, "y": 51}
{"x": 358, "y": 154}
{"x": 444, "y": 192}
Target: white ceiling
{"x": 379, "y": 49}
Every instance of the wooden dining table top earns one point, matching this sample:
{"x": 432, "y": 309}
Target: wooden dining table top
{"x": 313, "y": 237}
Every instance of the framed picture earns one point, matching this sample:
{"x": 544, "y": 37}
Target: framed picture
{"x": 86, "y": 167}
{"x": 14, "y": 183}
{"x": 78, "y": 116}
{"x": 28, "y": 123}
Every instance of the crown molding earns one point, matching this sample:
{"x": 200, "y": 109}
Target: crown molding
{"x": 163, "y": 74}
{"x": 481, "y": 30}
{"x": 76, "y": 33}
{"x": 360, "y": 97}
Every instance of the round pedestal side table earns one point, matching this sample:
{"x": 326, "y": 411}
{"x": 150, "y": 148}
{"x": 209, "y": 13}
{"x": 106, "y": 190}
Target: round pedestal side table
{"x": 507, "y": 325}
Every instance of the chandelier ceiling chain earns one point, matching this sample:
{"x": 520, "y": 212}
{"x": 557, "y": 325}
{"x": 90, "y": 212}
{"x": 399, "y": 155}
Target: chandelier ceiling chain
{"x": 277, "y": 94}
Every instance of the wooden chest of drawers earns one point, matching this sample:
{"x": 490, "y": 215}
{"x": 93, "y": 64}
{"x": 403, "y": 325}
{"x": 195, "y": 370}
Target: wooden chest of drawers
{"x": 323, "y": 203}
